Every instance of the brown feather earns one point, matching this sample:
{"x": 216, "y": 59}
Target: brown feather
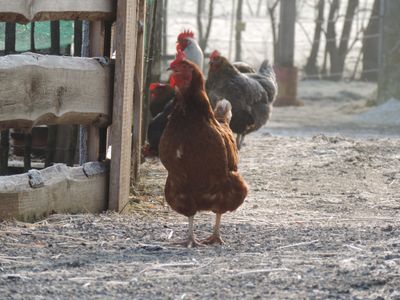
{"x": 200, "y": 155}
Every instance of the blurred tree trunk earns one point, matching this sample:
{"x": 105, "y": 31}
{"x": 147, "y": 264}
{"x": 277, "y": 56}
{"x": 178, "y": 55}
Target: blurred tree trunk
{"x": 337, "y": 54}
{"x": 204, "y": 35}
{"x": 331, "y": 49}
{"x": 370, "y": 46}
{"x": 240, "y": 26}
{"x": 311, "y": 68}
{"x": 250, "y": 8}
{"x": 389, "y": 73}
{"x": 259, "y": 7}
{"x": 271, "y": 7}
{"x": 287, "y": 19}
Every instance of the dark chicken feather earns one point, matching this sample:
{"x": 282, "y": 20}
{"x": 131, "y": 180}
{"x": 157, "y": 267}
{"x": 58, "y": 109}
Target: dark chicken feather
{"x": 156, "y": 129}
{"x": 251, "y": 94}
{"x": 160, "y": 95}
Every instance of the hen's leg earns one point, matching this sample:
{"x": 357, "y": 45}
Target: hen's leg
{"x": 215, "y": 238}
{"x": 238, "y": 138}
{"x": 242, "y": 140}
{"x": 191, "y": 239}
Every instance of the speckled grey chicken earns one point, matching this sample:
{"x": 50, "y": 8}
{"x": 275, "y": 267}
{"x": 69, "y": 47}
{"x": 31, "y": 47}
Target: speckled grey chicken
{"x": 251, "y": 94}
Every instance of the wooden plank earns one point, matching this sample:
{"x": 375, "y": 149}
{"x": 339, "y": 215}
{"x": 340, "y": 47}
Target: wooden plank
{"x": 42, "y": 89}
{"x": 25, "y": 11}
{"x": 121, "y": 141}
{"x": 96, "y": 48}
{"x": 9, "y": 44}
{"x": 57, "y": 189}
{"x": 138, "y": 96}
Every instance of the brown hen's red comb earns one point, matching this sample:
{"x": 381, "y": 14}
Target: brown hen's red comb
{"x": 154, "y": 85}
{"x": 215, "y": 54}
{"x": 179, "y": 57}
{"x": 185, "y": 34}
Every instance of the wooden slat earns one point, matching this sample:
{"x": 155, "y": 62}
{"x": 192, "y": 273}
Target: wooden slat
{"x": 42, "y": 89}
{"x": 5, "y": 134}
{"x": 96, "y": 48}
{"x": 138, "y": 96}
{"x": 24, "y": 11}
{"x": 121, "y": 128}
{"x": 57, "y": 189}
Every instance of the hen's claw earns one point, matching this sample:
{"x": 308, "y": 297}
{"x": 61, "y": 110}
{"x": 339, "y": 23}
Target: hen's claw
{"x": 190, "y": 243}
{"x": 213, "y": 239}
{"x": 194, "y": 243}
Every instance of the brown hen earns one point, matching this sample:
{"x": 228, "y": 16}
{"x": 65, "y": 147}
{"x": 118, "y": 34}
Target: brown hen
{"x": 199, "y": 154}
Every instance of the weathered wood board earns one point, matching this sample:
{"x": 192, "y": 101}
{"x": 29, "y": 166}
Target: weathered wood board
{"x": 43, "y": 89}
{"x": 121, "y": 128}
{"x": 24, "y": 11}
{"x": 57, "y": 189}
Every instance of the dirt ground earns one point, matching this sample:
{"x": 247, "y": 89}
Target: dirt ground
{"x": 321, "y": 222}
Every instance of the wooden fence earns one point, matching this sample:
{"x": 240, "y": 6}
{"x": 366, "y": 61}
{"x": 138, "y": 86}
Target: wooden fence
{"x": 42, "y": 89}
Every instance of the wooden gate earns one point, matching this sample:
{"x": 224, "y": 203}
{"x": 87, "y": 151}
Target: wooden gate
{"x": 42, "y": 89}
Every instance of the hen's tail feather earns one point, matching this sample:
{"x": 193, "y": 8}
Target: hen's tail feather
{"x": 269, "y": 84}
{"x": 235, "y": 190}
{"x": 266, "y": 69}
{"x": 223, "y": 111}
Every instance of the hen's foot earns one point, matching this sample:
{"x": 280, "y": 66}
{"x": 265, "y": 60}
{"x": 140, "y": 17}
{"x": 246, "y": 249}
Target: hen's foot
{"x": 190, "y": 243}
{"x": 213, "y": 239}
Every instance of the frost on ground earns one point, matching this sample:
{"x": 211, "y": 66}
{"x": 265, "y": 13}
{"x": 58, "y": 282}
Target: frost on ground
{"x": 321, "y": 221}
{"x": 386, "y": 113}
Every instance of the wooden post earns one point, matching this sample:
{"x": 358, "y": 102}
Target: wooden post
{"x": 33, "y": 47}
{"x": 286, "y": 73}
{"x": 121, "y": 140}
{"x": 96, "y": 48}
{"x": 52, "y": 129}
{"x": 150, "y": 54}
{"x": 138, "y": 96}
{"x": 83, "y": 130}
{"x": 164, "y": 28}
{"x": 95, "y": 136}
{"x": 77, "y": 38}
{"x": 28, "y": 151}
{"x": 55, "y": 37}
{"x": 5, "y": 134}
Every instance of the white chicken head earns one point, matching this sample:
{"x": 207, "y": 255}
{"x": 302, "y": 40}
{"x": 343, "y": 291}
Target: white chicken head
{"x": 190, "y": 47}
